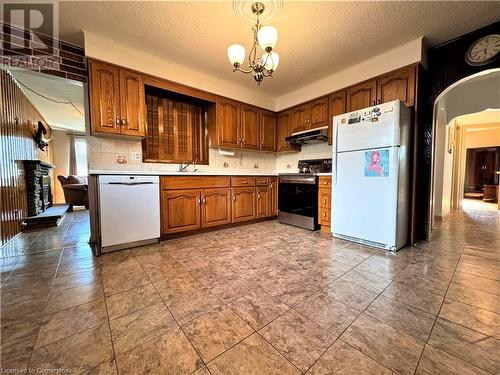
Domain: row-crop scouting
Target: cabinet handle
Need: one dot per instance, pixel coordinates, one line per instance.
(204, 200)
(324, 200)
(118, 121)
(379, 101)
(124, 121)
(258, 196)
(324, 213)
(373, 102)
(199, 200)
(234, 198)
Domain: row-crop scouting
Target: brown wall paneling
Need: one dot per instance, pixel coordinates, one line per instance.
(17, 122)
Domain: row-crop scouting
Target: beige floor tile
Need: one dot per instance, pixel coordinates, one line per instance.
(67, 322)
(105, 368)
(414, 322)
(131, 300)
(466, 344)
(326, 311)
(390, 347)
(435, 361)
(411, 295)
(67, 298)
(258, 308)
(350, 294)
(77, 353)
(342, 358)
(477, 298)
(215, 332)
(141, 326)
(123, 277)
(170, 353)
(252, 356)
(297, 338)
(86, 277)
(480, 320)
(189, 306)
(477, 282)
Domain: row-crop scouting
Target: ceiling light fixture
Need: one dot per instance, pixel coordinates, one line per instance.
(264, 37)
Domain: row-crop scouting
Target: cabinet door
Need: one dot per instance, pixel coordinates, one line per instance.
(131, 103)
(243, 205)
(397, 85)
(228, 123)
(180, 210)
(336, 106)
(361, 96)
(318, 113)
(215, 207)
(324, 216)
(263, 201)
(283, 130)
(273, 199)
(299, 118)
(267, 132)
(104, 98)
(250, 117)
(325, 198)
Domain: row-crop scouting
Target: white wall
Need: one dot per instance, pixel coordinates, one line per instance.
(107, 50)
(443, 168)
(60, 152)
(393, 59)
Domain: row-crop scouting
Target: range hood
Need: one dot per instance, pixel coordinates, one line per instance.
(318, 135)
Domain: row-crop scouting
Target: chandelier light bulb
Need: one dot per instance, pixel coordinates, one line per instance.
(236, 54)
(270, 61)
(267, 37)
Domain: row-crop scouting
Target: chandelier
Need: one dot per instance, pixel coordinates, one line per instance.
(264, 37)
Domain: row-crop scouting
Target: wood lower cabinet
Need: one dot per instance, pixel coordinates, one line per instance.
(361, 96)
(243, 204)
(263, 202)
(180, 210)
(215, 207)
(116, 100)
(325, 203)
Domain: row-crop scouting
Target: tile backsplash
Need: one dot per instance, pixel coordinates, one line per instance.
(104, 153)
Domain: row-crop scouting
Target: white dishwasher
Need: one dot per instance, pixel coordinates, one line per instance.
(129, 211)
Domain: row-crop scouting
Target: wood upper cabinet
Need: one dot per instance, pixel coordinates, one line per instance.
(116, 99)
(397, 85)
(243, 204)
(104, 98)
(318, 113)
(284, 128)
(361, 96)
(131, 103)
(250, 120)
(336, 106)
(228, 123)
(215, 207)
(180, 210)
(299, 118)
(267, 134)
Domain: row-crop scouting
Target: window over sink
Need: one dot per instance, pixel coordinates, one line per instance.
(176, 128)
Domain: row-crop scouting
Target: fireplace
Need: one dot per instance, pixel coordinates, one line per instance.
(38, 186)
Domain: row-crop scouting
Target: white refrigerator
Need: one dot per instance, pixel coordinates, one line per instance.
(370, 187)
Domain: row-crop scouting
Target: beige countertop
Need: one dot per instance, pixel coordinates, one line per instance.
(174, 173)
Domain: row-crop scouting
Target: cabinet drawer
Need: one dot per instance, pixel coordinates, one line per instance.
(324, 216)
(325, 199)
(325, 182)
(260, 181)
(193, 182)
(243, 181)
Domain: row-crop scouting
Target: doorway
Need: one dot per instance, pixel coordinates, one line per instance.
(466, 116)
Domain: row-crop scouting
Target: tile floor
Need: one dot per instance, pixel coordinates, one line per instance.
(259, 299)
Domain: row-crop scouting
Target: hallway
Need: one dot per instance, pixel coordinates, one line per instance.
(218, 303)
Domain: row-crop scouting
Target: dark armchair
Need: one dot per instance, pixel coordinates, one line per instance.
(75, 190)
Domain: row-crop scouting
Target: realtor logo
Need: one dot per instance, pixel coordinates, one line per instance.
(30, 34)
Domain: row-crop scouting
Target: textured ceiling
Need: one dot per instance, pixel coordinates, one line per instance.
(57, 115)
(315, 39)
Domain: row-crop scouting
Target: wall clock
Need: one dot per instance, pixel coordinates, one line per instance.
(483, 50)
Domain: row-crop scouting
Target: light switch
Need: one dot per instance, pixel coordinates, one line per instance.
(136, 156)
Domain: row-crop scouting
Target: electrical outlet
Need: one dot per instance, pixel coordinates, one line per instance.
(136, 156)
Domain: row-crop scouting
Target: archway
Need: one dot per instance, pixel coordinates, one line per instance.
(478, 93)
